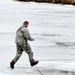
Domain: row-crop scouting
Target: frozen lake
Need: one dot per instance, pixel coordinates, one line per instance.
(52, 26)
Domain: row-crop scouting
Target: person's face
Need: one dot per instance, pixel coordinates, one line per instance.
(26, 25)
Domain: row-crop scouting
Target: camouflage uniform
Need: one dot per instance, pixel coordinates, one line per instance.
(22, 35)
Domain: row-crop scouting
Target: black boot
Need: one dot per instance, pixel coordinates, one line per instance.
(12, 64)
(34, 63)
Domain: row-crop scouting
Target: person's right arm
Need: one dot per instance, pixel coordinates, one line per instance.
(27, 34)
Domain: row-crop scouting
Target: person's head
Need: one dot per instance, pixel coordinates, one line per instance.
(26, 23)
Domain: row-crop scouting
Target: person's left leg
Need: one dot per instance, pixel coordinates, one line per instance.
(18, 55)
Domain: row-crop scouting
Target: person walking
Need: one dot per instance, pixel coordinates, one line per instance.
(22, 36)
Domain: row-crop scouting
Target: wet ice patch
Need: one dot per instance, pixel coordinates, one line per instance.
(50, 35)
(66, 44)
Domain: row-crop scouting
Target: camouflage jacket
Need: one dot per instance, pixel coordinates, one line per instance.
(22, 35)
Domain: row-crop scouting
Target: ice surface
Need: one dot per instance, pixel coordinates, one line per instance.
(52, 26)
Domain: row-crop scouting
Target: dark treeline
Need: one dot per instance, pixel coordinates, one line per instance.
(52, 1)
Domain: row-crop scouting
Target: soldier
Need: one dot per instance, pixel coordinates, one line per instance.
(22, 36)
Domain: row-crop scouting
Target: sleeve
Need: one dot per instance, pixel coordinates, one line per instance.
(27, 34)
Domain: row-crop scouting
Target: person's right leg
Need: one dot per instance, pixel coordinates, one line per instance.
(28, 50)
(18, 55)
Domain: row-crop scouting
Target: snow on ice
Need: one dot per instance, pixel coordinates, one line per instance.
(52, 26)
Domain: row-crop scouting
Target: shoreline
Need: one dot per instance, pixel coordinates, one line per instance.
(69, 2)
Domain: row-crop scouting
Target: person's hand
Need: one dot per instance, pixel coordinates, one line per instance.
(32, 39)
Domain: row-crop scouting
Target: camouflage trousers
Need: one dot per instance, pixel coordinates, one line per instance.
(23, 47)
